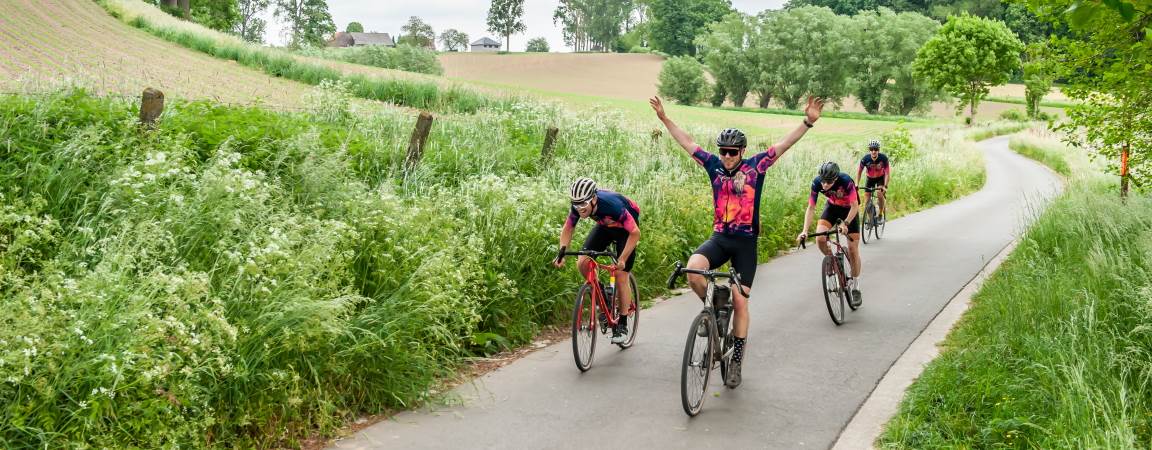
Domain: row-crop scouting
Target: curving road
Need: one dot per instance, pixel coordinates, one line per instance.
(804, 377)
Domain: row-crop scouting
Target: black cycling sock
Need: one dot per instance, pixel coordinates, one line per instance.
(738, 346)
(623, 321)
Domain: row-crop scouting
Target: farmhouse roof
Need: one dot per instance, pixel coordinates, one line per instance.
(485, 41)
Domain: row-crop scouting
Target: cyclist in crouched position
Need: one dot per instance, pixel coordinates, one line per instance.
(842, 206)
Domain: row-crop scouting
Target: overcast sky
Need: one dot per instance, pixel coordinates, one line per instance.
(469, 16)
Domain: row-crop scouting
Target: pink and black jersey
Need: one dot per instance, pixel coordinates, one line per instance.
(612, 210)
(878, 167)
(736, 193)
(842, 192)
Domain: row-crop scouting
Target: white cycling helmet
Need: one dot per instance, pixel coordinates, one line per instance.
(583, 189)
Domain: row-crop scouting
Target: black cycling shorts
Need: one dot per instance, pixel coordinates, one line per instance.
(833, 213)
(741, 250)
(599, 238)
(874, 182)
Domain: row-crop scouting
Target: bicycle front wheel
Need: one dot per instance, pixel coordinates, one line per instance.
(833, 291)
(868, 223)
(584, 328)
(633, 315)
(879, 229)
(697, 368)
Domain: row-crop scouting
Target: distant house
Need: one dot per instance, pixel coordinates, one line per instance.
(485, 45)
(344, 39)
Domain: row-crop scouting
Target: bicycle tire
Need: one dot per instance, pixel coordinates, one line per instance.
(584, 328)
(834, 294)
(880, 227)
(697, 368)
(867, 221)
(634, 317)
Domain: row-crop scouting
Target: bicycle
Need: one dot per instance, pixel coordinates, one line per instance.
(715, 320)
(834, 278)
(872, 221)
(591, 296)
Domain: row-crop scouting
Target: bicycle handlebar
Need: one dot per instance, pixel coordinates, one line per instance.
(831, 231)
(712, 275)
(590, 253)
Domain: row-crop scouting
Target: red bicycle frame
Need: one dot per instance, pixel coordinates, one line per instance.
(592, 278)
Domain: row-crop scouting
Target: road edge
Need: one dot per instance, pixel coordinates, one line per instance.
(883, 402)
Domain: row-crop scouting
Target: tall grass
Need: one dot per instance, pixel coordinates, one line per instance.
(402, 57)
(1056, 351)
(1047, 152)
(243, 278)
(423, 94)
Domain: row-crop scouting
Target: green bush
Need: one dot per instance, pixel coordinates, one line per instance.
(897, 144)
(1013, 115)
(682, 79)
(537, 45)
(402, 57)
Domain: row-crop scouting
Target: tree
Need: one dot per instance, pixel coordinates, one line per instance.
(538, 45)
(1104, 62)
(417, 33)
(505, 19)
(726, 54)
(886, 43)
(1037, 77)
(452, 40)
(802, 51)
(682, 79)
(308, 21)
(967, 56)
(354, 27)
(250, 26)
(675, 23)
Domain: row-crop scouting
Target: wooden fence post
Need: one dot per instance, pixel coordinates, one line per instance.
(656, 134)
(549, 142)
(151, 106)
(419, 138)
(1124, 171)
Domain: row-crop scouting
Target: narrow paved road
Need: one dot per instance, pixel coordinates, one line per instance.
(804, 377)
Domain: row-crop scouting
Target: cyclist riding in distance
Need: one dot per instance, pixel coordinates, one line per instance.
(736, 186)
(617, 222)
(843, 205)
(879, 172)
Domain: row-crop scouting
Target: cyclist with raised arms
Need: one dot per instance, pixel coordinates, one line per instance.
(736, 186)
(617, 222)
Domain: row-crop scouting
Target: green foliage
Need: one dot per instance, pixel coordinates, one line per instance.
(594, 25)
(537, 45)
(718, 95)
(967, 56)
(505, 18)
(731, 64)
(309, 22)
(1038, 76)
(801, 52)
(675, 23)
(1014, 115)
(1070, 370)
(898, 145)
(1105, 64)
(1042, 151)
(884, 46)
(682, 79)
(417, 33)
(452, 40)
(402, 57)
(250, 25)
(354, 27)
(1017, 17)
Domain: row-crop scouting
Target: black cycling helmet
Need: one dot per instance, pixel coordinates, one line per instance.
(873, 144)
(731, 138)
(829, 171)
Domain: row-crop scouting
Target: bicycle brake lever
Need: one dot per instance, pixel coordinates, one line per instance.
(675, 274)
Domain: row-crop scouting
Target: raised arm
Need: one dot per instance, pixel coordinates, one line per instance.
(681, 137)
(811, 115)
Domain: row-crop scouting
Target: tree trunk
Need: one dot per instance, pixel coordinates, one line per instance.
(169, 3)
(1124, 171)
(765, 99)
(185, 5)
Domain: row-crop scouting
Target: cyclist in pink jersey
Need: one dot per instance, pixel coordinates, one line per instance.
(879, 173)
(736, 186)
(843, 206)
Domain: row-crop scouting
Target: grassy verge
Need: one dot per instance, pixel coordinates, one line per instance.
(835, 114)
(1045, 152)
(400, 91)
(244, 278)
(1020, 101)
(1055, 351)
(996, 129)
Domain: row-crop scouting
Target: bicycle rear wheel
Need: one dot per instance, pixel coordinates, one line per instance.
(833, 291)
(584, 328)
(633, 316)
(697, 366)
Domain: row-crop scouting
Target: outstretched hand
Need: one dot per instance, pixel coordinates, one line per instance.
(814, 108)
(657, 106)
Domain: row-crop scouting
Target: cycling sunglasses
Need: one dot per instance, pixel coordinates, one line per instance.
(730, 151)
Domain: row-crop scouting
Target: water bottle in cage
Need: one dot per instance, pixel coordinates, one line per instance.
(721, 301)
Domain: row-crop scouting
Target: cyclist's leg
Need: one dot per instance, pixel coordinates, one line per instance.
(743, 251)
(825, 224)
(854, 246)
(624, 268)
(708, 256)
(881, 201)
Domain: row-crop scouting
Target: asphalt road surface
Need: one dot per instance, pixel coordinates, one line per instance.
(804, 377)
